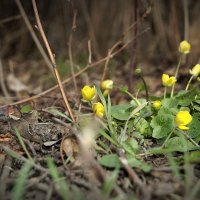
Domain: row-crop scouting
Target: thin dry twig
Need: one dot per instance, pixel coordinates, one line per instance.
(9, 19)
(52, 61)
(33, 35)
(133, 52)
(2, 81)
(109, 56)
(90, 52)
(70, 50)
(90, 28)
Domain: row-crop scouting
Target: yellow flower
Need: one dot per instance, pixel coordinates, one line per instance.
(88, 93)
(156, 104)
(183, 118)
(98, 109)
(105, 92)
(107, 85)
(184, 47)
(168, 81)
(195, 71)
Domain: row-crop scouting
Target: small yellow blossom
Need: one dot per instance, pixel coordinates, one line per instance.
(88, 93)
(195, 71)
(183, 118)
(105, 93)
(168, 81)
(98, 109)
(156, 104)
(107, 85)
(184, 47)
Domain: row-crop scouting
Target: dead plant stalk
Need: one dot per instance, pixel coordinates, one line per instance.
(70, 51)
(40, 28)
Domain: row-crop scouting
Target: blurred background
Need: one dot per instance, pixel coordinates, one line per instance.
(159, 26)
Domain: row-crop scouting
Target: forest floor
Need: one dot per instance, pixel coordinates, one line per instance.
(44, 156)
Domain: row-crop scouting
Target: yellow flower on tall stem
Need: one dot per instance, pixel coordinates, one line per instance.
(195, 71)
(167, 82)
(184, 48)
(183, 118)
(88, 93)
(106, 86)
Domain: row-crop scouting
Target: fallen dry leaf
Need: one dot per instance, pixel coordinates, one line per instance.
(15, 84)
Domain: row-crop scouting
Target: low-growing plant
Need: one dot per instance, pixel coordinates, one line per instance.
(155, 124)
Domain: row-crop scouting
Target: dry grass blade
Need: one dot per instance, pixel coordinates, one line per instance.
(52, 60)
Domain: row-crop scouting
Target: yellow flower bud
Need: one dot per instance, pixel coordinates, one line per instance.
(98, 109)
(105, 93)
(107, 85)
(184, 47)
(156, 104)
(168, 81)
(88, 93)
(183, 118)
(195, 71)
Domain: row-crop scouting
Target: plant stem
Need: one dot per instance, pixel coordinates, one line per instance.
(168, 137)
(176, 73)
(135, 99)
(189, 138)
(188, 84)
(165, 92)
(145, 87)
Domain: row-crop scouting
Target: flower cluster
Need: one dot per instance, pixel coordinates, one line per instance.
(89, 94)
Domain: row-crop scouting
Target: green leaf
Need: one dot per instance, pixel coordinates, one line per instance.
(193, 157)
(124, 89)
(130, 145)
(162, 125)
(121, 111)
(140, 164)
(56, 112)
(186, 97)
(110, 182)
(61, 185)
(169, 103)
(111, 161)
(179, 144)
(142, 126)
(19, 187)
(26, 109)
(194, 126)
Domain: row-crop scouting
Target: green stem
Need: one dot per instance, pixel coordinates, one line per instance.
(168, 137)
(135, 99)
(165, 92)
(176, 74)
(145, 87)
(188, 84)
(189, 138)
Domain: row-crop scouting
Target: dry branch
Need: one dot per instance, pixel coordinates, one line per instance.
(52, 60)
